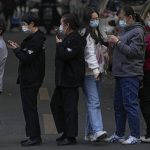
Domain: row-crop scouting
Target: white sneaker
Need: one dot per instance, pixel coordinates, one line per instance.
(98, 136)
(131, 140)
(145, 139)
(88, 137)
(114, 138)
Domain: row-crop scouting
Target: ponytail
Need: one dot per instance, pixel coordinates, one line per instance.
(139, 19)
(129, 11)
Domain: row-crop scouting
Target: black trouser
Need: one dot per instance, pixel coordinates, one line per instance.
(64, 107)
(29, 104)
(145, 100)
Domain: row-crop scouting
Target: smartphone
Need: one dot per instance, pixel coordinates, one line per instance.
(59, 36)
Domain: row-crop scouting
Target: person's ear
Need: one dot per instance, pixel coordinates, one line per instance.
(131, 17)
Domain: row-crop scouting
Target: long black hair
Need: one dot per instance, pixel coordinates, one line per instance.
(87, 17)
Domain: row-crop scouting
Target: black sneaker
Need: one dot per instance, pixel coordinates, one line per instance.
(24, 141)
(61, 137)
(67, 141)
(31, 142)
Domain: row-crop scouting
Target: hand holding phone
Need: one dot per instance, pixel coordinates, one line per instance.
(58, 40)
(8, 43)
(59, 34)
(12, 44)
(113, 39)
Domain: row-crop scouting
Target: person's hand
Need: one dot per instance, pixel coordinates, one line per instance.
(106, 57)
(12, 44)
(113, 39)
(58, 40)
(97, 76)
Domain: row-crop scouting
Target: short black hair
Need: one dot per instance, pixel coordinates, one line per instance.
(2, 26)
(31, 17)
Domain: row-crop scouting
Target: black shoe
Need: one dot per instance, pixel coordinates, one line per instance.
(61, 138)
(32, 142)
(23, 141)
(67, 141)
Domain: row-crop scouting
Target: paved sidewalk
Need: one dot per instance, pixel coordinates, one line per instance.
(12, 120)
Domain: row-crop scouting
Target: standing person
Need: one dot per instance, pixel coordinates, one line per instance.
(50, 15)
(31, 55)
(95, 53)
(9, 7)
(69, 76)
(145, 94)
(3, 53)
(127, 68)
(22, 6)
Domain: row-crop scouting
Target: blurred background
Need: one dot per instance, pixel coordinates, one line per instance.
(50, 11)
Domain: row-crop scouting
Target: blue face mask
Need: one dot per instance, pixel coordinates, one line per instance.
(122, 24)
(94, 23)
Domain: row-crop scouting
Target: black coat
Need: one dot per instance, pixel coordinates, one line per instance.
(31, 57)
(69, 61)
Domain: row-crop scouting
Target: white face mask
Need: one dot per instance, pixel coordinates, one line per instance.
(25, 29)
(147, 23)
(122, 23)
(61, 29)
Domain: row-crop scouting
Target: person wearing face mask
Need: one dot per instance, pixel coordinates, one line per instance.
(31, 72)
(144, 91)
(127, 68)
(69, 76)
(120, 24)
(147, 22)
(95, 56)
(3, 53)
